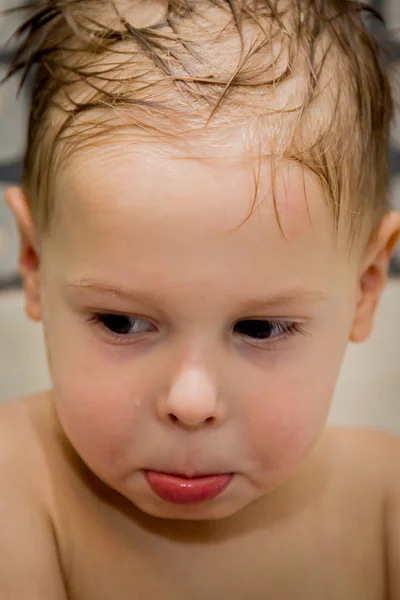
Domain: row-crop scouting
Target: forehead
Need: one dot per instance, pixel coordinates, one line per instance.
(122, 209)
(157, 181)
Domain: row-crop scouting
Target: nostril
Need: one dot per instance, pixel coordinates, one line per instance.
(175, 419)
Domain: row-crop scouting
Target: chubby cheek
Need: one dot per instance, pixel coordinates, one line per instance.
(99, 417)
(100, 405)
(285, 418)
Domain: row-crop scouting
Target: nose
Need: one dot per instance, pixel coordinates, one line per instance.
(192, 399)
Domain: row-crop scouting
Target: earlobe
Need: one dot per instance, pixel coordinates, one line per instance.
(28, 254)
(373, 275)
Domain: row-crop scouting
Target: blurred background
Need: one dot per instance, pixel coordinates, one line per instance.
(368, 392)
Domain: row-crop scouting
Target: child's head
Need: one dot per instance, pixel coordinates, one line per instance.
(205, 226)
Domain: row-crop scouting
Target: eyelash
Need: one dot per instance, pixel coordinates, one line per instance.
(282, 329)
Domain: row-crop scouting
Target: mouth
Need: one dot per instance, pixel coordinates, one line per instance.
(179, 489)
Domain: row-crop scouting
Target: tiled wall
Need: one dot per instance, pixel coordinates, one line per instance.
(392, 14)
(13, 118)
(13, 122)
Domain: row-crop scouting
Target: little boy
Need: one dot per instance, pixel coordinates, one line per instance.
(204, 227)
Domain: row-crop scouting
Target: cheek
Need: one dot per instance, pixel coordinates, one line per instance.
(98, 401)
(288, 425)
(287, 413)
(99, 416)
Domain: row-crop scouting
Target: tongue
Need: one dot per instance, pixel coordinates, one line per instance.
(182, 490)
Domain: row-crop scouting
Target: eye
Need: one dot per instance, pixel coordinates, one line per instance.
(122, 325)
(262, 330)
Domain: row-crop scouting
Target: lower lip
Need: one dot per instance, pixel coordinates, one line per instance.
(182, 490)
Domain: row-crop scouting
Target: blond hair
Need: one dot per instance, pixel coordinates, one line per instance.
(303, 79)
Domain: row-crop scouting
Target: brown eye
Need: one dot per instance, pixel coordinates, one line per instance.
(262, 330)
(257, 329)
(124, 325)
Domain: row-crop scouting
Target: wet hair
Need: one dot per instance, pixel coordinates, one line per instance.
(302, 80)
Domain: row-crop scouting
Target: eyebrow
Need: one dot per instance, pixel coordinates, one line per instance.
(294, 296)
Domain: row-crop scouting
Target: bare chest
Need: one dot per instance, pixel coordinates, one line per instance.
(334, 560)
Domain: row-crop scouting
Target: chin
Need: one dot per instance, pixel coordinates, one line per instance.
(211, 511)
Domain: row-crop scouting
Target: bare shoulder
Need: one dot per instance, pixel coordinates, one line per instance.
(365, 458)
(369, 449)
(381, 452)
(21, 451)
(29, 567)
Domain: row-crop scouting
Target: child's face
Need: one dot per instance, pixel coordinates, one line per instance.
(240, 332)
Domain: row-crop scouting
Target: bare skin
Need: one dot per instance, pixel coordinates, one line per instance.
(190, 334)
(183, 340)
(320, 535)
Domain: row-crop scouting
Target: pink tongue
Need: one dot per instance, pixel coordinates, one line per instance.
(180, 490)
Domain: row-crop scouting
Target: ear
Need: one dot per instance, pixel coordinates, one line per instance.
(28, 255)
(374, 274)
